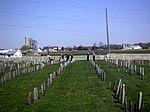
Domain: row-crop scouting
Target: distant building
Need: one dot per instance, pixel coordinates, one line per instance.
(54, 49)
(39, 50)
(27, 41)
(3, 51)
(128, 46)
(30, 42)
(13, 53)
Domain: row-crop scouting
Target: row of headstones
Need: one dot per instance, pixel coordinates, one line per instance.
(119, 91)
(12, 66)
(11, 75)
(140, 61)
(128, 66)
(38, 93)
(101, 73)
(21, 64)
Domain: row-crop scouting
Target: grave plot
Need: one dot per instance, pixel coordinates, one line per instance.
(132, 77)
(77, 89)
(11, 69)
(14, 94)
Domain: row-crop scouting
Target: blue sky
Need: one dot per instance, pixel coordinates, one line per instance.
(73, 22)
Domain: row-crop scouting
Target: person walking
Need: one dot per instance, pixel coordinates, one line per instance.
(71, 57)
(67, 57)
(93, 56)
(88, 56)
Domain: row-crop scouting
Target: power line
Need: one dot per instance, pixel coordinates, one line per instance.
(142, 22)
(86, 7)
(76, 19)
(68, 30)
(62, 5)
(130, 33)
(49, 17)
(131, 10)
(24, 27)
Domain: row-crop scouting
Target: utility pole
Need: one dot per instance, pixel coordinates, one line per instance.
(107, 31)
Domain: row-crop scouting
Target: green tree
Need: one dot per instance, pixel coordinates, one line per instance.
(24, 48)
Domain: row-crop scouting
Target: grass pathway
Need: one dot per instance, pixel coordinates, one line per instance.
(77, 89)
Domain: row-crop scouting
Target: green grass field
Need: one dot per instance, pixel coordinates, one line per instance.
(143, 51)
(77, 89)
(132, 81)
(13, 94)
(99, 52)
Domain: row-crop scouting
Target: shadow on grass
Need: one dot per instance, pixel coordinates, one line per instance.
(115, 99)
(118, 102)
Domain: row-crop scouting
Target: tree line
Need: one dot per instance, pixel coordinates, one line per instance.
(99, 46)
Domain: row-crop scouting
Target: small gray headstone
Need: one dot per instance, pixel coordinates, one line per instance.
(42, 89)
(123, 93)
(35, 94)
(119, 84)
(30, 98)
(139, 102)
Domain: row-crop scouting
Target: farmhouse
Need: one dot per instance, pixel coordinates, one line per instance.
(39, 50)
(14, 53)
(54, 49)
(3, 52)
(127, 46)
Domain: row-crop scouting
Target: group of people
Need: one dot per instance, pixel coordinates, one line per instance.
(69, 57)
(93, 55)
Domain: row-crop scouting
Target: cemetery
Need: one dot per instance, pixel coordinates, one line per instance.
(38, 84)
(76, 56)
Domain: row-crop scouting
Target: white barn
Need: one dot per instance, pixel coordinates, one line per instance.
(135, 47)
(14, 53)
(127, 46)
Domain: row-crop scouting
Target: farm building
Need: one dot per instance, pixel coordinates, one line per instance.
(3, 52)
(127, 46)
(14, 53)
(135, 47)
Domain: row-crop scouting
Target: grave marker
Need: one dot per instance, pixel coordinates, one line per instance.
(123, 93)
(42, 89)
(139, 102)
(35, 95)
(30, 98)
(119, 84)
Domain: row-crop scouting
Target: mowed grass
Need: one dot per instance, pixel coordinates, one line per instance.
(132, 82)
(100, 52)
(131, 51)
(14, 94)
(77, 89)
